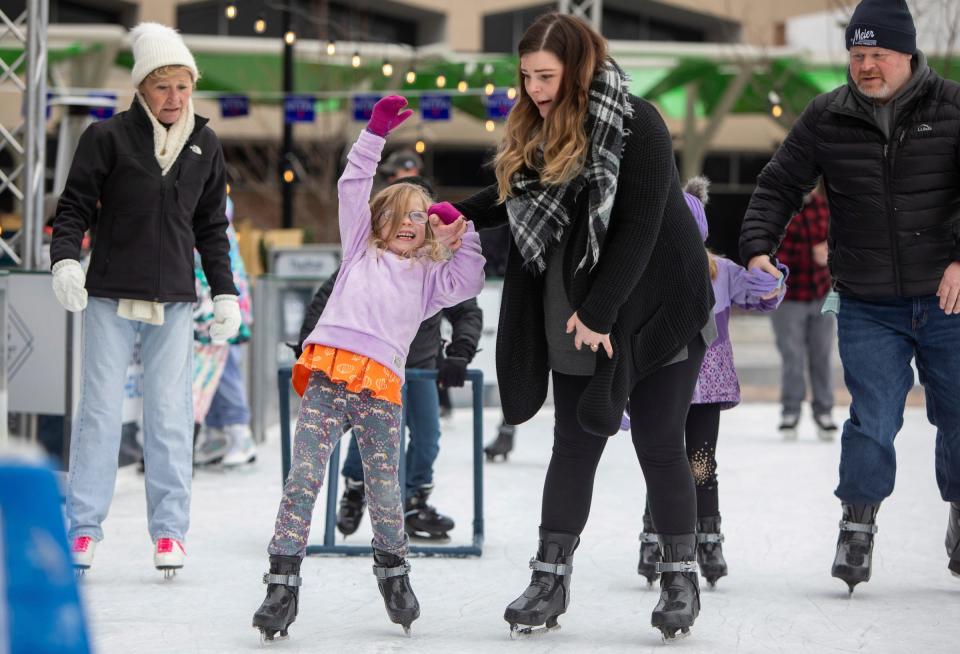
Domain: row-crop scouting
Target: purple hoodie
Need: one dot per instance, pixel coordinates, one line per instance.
(718, 382)
(380, 298)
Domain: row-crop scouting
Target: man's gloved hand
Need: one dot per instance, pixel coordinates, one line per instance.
(452, 372)
(226, 318)
(387, 116)
(68, 282)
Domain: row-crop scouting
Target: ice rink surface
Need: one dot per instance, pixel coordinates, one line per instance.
(779, 516)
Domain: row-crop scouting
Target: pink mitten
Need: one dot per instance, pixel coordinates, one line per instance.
(445, 211)
(387, 116)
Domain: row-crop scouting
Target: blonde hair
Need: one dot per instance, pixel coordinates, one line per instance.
(164, 72)
(712, 262)
(397, 199)
(562, 134)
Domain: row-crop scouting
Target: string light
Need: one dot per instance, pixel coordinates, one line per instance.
(260, 25)
(441, 81)
(411, 76)
(511, 93)
(489, 126)
(387, 69)
(355, 60)
(230, 11)
(420, 146)
(290, 37)
(462, 85)
(331, 47)
(288, 176)
(776, 111)
(488, 88)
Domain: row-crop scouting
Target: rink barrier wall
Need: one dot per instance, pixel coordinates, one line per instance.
(330, 546)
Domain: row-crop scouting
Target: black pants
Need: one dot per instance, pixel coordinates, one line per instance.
(658, 413)
(703, 424)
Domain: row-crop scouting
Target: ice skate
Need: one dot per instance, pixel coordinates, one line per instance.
(168, 556)
(502, 445)
(241, 451)
(649, 551)
(788, 426)
(82, 549)
(279, 608)
(710, 549)
(393, 580)
(953, 539)
(826, 427)
(421, 520)
(352, 504)
(854, 556)
(548, 595)
(679, 603)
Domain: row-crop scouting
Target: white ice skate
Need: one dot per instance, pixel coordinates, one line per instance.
(211, 447)
(168, 556)
(788, 426)
(826, 428)
(82, 550)
(241, 449)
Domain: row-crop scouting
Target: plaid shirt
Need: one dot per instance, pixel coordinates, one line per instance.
(808, 281)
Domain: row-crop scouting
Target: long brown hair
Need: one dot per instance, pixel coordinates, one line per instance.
(563, 132)
(396, 200)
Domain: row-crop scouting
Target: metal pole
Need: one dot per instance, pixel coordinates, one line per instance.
(287, 216)
(36, 127)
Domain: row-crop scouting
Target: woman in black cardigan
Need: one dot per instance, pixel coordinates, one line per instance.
(607, 287)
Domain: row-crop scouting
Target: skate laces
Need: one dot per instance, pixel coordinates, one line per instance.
(81, 543)
(165, 545)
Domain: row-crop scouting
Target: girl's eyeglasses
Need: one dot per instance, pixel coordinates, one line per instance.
(417, 217)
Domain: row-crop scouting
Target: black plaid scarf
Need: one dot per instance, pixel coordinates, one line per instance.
(539, 213)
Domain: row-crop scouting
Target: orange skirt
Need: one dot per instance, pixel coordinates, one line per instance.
(358, 372)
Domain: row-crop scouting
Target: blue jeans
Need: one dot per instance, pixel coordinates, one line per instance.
(423, 419)
(229, 405)
(878, 338)
(167, 352)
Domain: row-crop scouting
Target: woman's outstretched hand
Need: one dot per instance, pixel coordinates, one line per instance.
(583, 335)
(387, 116)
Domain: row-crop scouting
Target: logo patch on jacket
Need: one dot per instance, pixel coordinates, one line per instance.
(923, 127)
(196, 149)
(863, 37)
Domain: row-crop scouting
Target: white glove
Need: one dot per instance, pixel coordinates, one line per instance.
(226, 318)
(68, 282)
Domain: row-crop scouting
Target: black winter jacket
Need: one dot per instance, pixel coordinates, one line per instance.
(894, 206)
(466, 318)
(650, 289)
(148, 224)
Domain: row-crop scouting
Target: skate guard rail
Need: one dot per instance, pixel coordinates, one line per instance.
(330, 546)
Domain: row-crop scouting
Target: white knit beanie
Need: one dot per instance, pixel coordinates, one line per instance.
(156, 45)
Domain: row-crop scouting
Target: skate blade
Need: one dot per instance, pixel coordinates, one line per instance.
(169, 573)
(788, 434)
(271, 635)
(428, 537)
(80, 572)
(673, 634)
(406, 631)
(519, 633)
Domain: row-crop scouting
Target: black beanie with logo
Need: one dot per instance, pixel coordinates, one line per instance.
(883, 24)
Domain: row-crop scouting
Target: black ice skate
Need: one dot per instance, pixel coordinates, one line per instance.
(679, 603)
(649, 551)
(421, 520)
(953, 539)
(279, 608)
(502, 445)
(393, 580)
(352, 505)
(855, 544)
(710, 549)
(788, 426)
(548, 595)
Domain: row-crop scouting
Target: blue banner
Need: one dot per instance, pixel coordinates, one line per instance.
(435, 107)
(298, 108)
(498, 105)
(106, 111)
(234, 106)
(363, 106)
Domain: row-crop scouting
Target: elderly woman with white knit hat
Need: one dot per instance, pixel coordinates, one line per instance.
(150, 183)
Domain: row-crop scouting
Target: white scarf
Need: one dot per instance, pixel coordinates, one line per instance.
(169, 141)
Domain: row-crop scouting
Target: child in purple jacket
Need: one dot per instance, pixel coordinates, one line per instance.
(717, 389)
(394, 274)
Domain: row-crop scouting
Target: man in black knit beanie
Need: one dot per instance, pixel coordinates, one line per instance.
(885, 145)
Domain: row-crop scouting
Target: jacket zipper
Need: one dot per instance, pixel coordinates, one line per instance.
(163, 212)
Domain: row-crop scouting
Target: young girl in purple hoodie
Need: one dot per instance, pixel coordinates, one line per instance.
(394, 274)
(717, 389)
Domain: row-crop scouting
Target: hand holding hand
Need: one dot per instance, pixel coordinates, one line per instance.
(445, 211)
(226, 318)
(452, 372)
(583, 335)
(68, 284)
(449, 235)
(387, 116)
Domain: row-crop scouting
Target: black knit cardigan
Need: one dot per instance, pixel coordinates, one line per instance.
(650, 289)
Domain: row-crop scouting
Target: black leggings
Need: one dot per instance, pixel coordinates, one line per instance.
(703, 424)
(658, 408)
